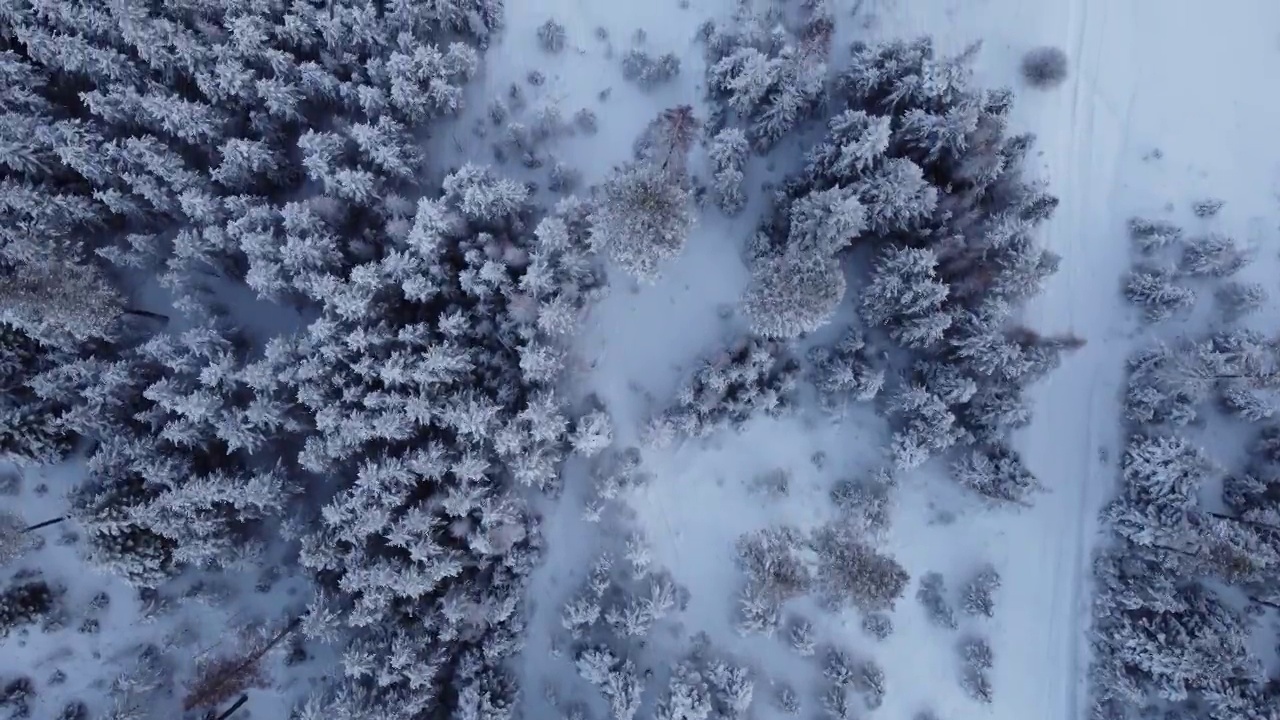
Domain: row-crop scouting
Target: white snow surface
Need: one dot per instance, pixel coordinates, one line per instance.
(1179, 76)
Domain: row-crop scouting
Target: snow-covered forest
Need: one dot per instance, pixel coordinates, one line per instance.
(684, 360)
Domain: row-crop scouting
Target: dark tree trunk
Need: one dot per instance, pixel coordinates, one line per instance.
(1264, 602)
(1242, 521)
(146, 314)
(44, 524)
(243, 699)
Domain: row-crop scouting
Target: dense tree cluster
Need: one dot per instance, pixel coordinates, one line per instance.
(275, 145)
(764, 77)
(917, 166)
(1179, 592)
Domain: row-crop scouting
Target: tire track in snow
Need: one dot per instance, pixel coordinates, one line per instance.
(1074, 397)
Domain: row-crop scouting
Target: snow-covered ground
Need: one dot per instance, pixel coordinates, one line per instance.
(1180, 77)
(1167, 102)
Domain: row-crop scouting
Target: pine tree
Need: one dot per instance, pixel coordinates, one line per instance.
(997, 472)
(1158, 294)
(905, 295)
(642, 217)
(793, 294)
(728, 155)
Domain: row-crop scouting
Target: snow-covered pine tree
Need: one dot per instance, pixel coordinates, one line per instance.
(850, 571)
(905, 295)
(997, 472)
(642, 214)
(793, 294)
(845, 372)
(727, 152)
(751, 375)
(771, 81)
(1158, 294)
(1213, 255)
(29, 427)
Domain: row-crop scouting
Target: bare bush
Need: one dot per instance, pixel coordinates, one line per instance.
(551, 36)
(933, 595)
(1045, 67)
(979, 595)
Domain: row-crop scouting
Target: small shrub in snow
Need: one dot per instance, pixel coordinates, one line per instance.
(616, 679)
(26, 602)
(580, 613)
(563, 178)
(759, 614)
(877, 625)
(586, 121)
(926, 715)
(629, 620)
(74, 710)
(849, 570)
(836, 704)
(979, 594)
(976, 653)
(600, 578)
(639, 556)
(615, 471)
(1213, 255)
(866, 504)
(1156, 292)
(800, 636)
(1206, 208)
(728, 154)
(648, 71)
(932, 594)
(776, 482)
(551, 36)
(16, 698)
(839, 668)
(733, 688)
(1045, 67)
(870, 682)
(592, 433)
(977, 685)
(1152, 235)
(787, 700)
(536, 78)
(688, 697)
(1236, 298)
